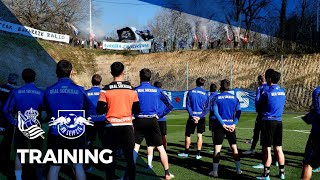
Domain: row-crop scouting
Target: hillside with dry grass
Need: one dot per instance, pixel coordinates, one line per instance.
(301, 73)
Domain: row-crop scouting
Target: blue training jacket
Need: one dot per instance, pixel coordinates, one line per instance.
(5, 90)
(93, 95)
(211, 101)
(316, 106)
(272, 103)
(150, 97)
(259, 91)
(162, 107)
(197, 102)
(226, 108)
(64, 95)
(22, 99)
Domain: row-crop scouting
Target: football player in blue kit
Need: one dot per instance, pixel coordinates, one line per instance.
(226, 108)
(272, 103)
(197, 107)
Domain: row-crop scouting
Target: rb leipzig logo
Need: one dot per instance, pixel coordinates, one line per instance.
(71, 124)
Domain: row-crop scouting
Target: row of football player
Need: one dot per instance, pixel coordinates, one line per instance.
(197, 105)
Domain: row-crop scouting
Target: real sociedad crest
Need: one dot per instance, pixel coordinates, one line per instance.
(71, 124)
(29, 125)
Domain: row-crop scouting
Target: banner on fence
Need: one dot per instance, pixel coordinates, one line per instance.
(246, 98)
(127, 46)
(28, 31)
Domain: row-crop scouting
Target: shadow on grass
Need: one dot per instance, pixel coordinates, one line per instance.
(202, 167)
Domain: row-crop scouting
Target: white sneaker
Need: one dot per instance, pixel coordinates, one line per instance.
(282, 176)
(249, 152)
(239, 172)
(183, 155)
(171, 176)
(213, 173)
(263, 178)
(316, 170)
(259, 166)
(198, 157)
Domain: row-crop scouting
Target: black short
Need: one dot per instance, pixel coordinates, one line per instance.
(147, 128)
(259, 123)
(191, 127)
(312, 151)
(2, 125)
(56, 142)
(218, 136)
(118, 137)
(22, 142)
(211, 124)
(271, 133)
(92, 131)
(163, 127)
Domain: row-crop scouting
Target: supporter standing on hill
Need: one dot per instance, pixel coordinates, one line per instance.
(146, 122)
(226, 108)
(197, 107)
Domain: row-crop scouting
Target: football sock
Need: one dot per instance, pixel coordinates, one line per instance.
(150, 157)
(266, 171)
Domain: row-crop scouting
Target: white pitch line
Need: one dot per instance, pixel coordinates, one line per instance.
(303, 131)
(298, 117)
(289, 130)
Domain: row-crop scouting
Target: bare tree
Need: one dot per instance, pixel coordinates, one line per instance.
(252, 13)
(50, 15)
(170, 26)
(283, 13)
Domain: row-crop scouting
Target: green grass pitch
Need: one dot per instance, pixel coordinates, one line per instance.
(295, 137)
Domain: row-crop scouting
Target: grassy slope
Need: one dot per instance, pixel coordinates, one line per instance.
(293, 145)
(18, 52)
(301, 72)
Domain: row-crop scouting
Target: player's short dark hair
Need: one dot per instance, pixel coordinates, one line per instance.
(158, 84)
(213, 87)
(268, 72)
(261, 78)
(96, 79)
(28, 75)
(145, 74)
(275, 77)
(225, 85)
(64, 68)
(200, 81)
(13, 78)
(117, 69)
